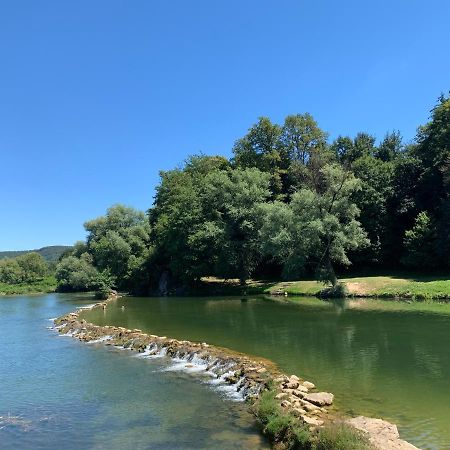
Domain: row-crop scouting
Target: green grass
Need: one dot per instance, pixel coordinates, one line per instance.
(283, 429)
(46, 284)
(339, 436)
(414, 287)
(287, 432)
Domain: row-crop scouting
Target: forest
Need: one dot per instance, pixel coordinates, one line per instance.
(289, 203)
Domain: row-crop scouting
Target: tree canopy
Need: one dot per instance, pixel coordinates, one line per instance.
(289, 201)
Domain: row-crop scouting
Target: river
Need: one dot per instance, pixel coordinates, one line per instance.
(58, 393)
(380, 358)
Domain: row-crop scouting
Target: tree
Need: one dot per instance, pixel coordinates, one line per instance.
(301, 136)
(390, 147)
(33, 266)
(433, 152)
(10, 271)
(263, 149)
(420, 242)
(372, 200)
(318, 226)
(76, 274)
(232, 200)
(176, 214)
(117, 241)
(348, 150)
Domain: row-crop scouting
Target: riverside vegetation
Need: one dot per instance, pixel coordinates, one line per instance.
(27, 273)
(288, 205)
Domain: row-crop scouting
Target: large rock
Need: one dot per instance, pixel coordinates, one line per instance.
(320, 398)
(308, 406)
(292, 385)
(281, 396)
(383, 435)
(298, 393)
(312, 421)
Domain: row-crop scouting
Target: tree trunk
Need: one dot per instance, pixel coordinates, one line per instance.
(331, 273)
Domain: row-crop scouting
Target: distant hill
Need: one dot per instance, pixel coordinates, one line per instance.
(50, 253)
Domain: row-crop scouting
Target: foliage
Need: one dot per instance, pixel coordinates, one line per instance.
(287, 202)
(118, 243)
(26, 268)
(76, 274)
(281, 427)
(232, 199)
(318, 226)
(46, 284)
(339, 436)
(289, 432)
(419, 243)
(50, 254)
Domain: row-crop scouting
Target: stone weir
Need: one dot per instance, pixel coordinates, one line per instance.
(247, 376)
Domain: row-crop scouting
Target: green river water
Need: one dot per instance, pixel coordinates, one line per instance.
(379, 358)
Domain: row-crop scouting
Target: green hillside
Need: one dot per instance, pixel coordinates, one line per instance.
(50, 253)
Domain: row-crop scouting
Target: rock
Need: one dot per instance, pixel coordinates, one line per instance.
(308, 406)
(285, 404)
(309, 385)
(302, 388)
(320, 398)
(294, 378)
(281, 379)
(312, 421)
(298, 411)
(262, 370)
(383, 435)
(231, 379)
(288, 391)
(298, 393)
(281, 396)
(292, 385)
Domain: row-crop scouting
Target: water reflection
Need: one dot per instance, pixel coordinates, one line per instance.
(383, 359)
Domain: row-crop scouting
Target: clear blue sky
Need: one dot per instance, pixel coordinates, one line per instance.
(97, 96)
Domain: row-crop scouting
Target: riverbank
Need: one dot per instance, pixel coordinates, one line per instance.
(389, 286)
(298, 406)
(46, 285)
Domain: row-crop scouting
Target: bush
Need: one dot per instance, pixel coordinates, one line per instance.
(339, 436)
(280, 427)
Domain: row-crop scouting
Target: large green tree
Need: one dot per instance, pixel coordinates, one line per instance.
(262, 147)
(232, 201)
(318, 227)
(119, 243)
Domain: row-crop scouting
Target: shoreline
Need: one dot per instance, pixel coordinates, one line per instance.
(247, 376)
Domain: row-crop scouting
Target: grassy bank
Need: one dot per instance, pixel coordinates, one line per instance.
(47, 284)
(389, 286)
(286, 431)
(417, 287)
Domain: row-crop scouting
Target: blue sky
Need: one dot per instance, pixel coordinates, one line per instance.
(97, 96)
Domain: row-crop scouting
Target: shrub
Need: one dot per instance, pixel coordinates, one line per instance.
(281, 428)
(339, 436)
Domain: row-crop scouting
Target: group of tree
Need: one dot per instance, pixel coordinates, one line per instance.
(26, 268)
(115, 254)
(288, 203)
